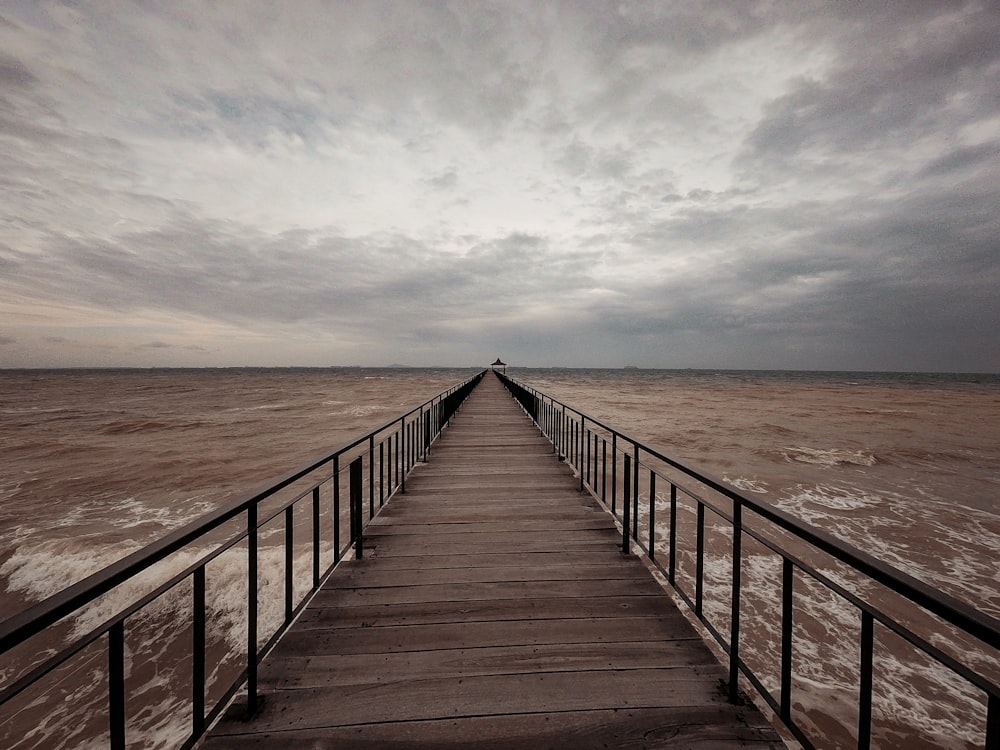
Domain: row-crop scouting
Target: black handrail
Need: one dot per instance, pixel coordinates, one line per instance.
(401, 442)
(576, 436)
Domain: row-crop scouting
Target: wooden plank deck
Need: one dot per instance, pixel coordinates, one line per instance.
(495, 609)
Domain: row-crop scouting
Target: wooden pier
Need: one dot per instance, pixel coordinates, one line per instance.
(493, 609)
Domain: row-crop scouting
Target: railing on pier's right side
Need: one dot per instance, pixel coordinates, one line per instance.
(620, 471)
(372, 467)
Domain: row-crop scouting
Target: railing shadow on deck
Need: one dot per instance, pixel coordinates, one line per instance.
(635, 482)
(373, 466)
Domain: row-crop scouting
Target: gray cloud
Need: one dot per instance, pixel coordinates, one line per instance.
(698, 184)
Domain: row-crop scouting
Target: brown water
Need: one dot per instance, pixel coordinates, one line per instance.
(98, 463)
(905, 467)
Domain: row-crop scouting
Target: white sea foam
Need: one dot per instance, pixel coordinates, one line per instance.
(155, 634)
(912, 691)
(756, 486)
(803, 499)
(829, 456)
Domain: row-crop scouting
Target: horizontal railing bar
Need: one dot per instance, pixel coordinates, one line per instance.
(36, 618)
(976, 623)
(289, 503)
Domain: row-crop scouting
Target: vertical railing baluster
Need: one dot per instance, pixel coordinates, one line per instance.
(587, 460)
(381, 473)
(315, 531)
(357, 506)
(672, 566)
(402, 456)
(635, 490)
(993, 723)
(699, 565)
(116, 685)
(198, 653)
(652, 515)
(626, 502)
(580, 448)
(289, 561)
(604, 470)
(572, 441)
(336, 508)
(734, 626)
(371, 476)
(787, 583)
(865, 681)
(614, 470)
(596, 458)
(252, 609)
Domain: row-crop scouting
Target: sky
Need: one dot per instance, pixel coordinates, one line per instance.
(720, 184)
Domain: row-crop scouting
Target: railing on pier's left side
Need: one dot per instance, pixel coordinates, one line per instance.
(634, 481)
(372, 467)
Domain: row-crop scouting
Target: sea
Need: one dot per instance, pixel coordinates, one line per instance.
(905, 466)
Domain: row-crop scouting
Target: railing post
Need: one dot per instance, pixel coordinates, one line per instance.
(699, 564)
(289, 562)
(626, 504)
(116, 685)
(993, 723)
(427, 438)
(251, 609)
(381, 473)
(734, 628)
(865, 682)
(357, 512)
(315, 530)
(401, 455)
(635, 490)
(604, 470)
(614, 470)
(787, 583)
(652, 514)
(198, 653)
(583, 432)
(672, 568)
(371, 476)
(336, 508)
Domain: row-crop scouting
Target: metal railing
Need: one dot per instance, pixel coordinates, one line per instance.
(619, 470)
(378, 462)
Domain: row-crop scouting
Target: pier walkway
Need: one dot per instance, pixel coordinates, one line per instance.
(493, 609)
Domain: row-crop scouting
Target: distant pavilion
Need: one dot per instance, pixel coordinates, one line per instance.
(500, 365)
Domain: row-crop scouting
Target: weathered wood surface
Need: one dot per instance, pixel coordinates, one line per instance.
(494, 610)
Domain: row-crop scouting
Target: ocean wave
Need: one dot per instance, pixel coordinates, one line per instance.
(359, 410)
(756, 486)
(801, 499)
(829, 456)
(158, 635)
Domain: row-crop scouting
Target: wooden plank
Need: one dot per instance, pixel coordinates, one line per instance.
(377, 578)
(344, 669)
(330, 613)
(415, 544)
(380, 640)
(713, 727)
(490, 695)
(504, 590)
(435, 557)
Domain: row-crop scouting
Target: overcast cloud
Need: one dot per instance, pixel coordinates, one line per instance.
(719, 184)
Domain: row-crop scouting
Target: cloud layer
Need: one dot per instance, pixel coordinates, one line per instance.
(744, 185)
